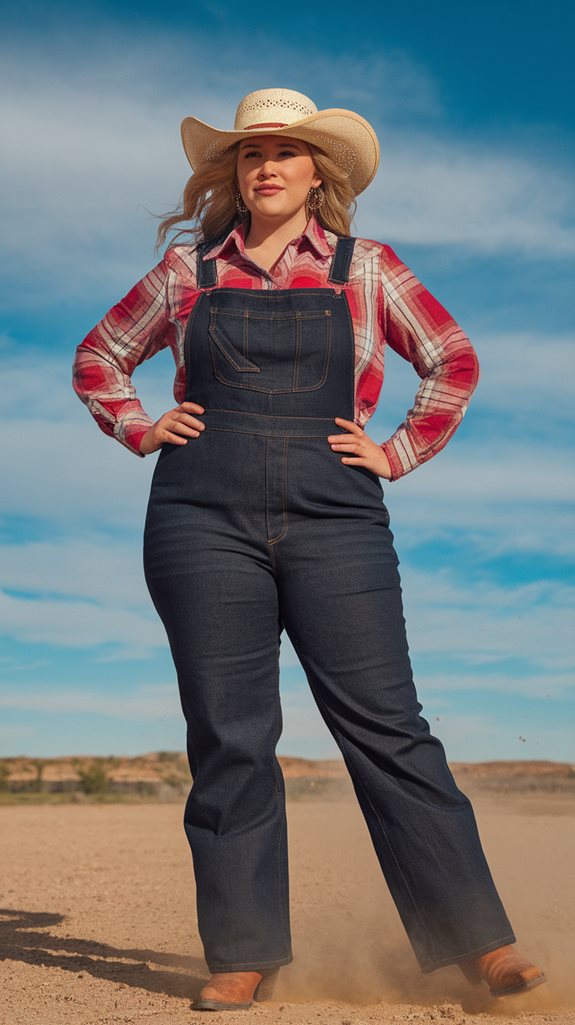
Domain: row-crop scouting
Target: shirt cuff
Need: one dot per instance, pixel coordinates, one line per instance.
(131, 435)
(397, 468)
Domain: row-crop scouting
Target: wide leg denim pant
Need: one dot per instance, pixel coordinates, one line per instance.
(256, 527)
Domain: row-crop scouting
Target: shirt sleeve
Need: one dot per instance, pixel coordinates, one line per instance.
(420, 329)
(130, 332)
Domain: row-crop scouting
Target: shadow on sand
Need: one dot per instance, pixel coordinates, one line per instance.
(22, 940)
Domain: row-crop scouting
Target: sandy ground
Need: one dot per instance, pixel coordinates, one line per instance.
(97, 920)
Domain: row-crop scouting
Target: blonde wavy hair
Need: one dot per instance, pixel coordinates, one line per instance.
(209, 199)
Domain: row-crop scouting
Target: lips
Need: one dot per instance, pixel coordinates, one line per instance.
(269, 188)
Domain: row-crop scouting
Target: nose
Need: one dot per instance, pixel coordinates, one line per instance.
(267, 170)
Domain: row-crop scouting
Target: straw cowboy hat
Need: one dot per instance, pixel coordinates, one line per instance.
(344, 135)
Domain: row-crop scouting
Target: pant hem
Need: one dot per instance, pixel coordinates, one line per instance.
(477, 952)
(247, 966)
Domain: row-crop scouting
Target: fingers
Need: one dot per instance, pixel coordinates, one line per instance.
(191, 406)
(347, 445)
(349, 425)
(178, 424)
(174, 439)
(186, 424)
(353, 448)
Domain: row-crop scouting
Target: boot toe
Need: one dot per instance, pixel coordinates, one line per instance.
(504, 970)
(228, 991)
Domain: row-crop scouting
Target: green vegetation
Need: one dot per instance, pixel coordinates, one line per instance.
(37, 784)
(94, 779)
(4, 777)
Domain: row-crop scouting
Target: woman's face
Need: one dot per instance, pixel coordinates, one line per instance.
(275, 174)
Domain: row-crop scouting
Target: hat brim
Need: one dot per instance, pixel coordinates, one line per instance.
(346, 136)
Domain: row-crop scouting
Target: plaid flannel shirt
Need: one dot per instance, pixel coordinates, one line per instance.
(388, 305)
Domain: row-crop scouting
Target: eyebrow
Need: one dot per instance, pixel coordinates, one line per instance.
(245, 145)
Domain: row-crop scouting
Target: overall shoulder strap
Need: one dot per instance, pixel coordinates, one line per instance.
(206, 275)
(339, 270)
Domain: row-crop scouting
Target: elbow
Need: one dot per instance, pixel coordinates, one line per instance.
(463, 366)
(474, 371)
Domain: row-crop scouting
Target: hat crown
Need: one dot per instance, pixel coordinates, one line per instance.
(272, 106)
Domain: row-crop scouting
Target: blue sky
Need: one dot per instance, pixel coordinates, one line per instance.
(475, 192)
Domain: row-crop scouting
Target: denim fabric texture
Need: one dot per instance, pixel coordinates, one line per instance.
(256, 527)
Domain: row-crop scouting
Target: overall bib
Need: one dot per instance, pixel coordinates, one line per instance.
(256, 526)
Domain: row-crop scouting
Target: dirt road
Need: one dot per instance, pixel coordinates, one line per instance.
(98, 924)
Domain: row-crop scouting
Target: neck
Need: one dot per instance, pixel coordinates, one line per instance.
(265, 231)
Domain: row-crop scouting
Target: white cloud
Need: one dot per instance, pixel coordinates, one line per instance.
(526, 374)
(74, 479)
(80, 624)
(305, 734)
(505, 497)
(488, 623)
(485, 737)
(10, 734)
(146, 701)
(438, 190)
(89, 148)
(90, 569)
(547, 683)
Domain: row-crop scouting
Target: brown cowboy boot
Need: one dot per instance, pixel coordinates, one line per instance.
(228, 991)
(504, 970)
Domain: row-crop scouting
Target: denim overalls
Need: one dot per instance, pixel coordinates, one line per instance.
(256, 526)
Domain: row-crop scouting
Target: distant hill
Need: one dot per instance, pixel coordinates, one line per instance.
(164, 775)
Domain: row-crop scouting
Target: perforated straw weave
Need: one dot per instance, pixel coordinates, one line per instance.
(346, 136)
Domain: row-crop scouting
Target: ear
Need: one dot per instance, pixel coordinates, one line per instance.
(316, 183)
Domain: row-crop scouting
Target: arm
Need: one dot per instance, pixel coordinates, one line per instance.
(132, 331)
(421, 330)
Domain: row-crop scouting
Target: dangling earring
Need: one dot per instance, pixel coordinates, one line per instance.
(241, 206)
(315, 198)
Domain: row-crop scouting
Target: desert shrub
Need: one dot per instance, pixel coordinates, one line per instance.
(173, 779)
(93, 779)
(37, 784)
(4, 776)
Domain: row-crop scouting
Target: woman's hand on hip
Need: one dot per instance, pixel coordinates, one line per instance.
(360, 449)
(175, 426)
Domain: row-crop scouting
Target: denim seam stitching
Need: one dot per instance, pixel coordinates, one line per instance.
(326, 358)
(262, 433)
(274, 416)
(221, 347)
(249, 964)
(239, 314)
(343, 741)
(283, 531)
(275, 293)
(297, 317)
(281, 874)
(400, 870)
(477, 951)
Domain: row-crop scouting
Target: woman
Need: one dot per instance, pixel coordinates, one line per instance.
(266, 511)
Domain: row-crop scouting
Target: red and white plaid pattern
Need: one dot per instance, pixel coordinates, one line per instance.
(388, 306)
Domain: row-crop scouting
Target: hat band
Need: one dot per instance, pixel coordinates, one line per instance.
(266, 124)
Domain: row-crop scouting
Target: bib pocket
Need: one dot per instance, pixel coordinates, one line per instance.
(270, 352)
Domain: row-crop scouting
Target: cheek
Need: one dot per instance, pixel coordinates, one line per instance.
(245, 172)
(307, 173)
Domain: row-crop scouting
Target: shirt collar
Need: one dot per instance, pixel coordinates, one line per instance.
(313, 235)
